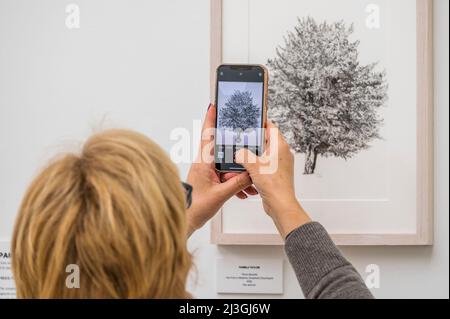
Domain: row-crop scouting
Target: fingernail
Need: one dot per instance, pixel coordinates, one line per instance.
(209, 106)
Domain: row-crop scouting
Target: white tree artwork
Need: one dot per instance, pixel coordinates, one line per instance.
(322, 98)
(240, 113)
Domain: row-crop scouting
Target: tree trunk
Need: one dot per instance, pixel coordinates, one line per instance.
(311, 160)
(238, 137)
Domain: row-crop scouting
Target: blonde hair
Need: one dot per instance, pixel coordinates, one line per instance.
(117, 211)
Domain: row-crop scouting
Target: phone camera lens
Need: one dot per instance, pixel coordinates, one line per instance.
(260, 74)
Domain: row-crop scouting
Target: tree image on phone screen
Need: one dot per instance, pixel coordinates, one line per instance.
(240, 113)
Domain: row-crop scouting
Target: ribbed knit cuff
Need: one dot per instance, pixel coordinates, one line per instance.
(312, 254)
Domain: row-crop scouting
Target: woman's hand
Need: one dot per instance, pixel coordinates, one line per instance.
(211, 189)
(273, 177)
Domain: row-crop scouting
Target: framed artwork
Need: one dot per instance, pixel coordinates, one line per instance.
(350, 87)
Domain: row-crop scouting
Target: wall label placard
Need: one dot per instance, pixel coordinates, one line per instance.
(7, 285)
(249, 276)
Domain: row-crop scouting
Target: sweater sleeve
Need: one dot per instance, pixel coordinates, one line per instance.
(321, 270)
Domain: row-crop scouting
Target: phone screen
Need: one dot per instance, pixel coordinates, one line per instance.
(240, 113)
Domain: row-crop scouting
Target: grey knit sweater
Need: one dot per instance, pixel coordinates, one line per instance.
(321, 269)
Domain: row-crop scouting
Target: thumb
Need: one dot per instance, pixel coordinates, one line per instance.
(248, 159)
(235, 184)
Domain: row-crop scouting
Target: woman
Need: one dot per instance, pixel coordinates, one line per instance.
(119, 212)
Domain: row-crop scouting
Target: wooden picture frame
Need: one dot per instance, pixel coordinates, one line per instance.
(424, 146)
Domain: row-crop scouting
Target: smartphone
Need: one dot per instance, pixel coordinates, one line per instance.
(241, 104)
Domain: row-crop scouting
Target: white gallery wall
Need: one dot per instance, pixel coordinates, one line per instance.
(145, 65)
